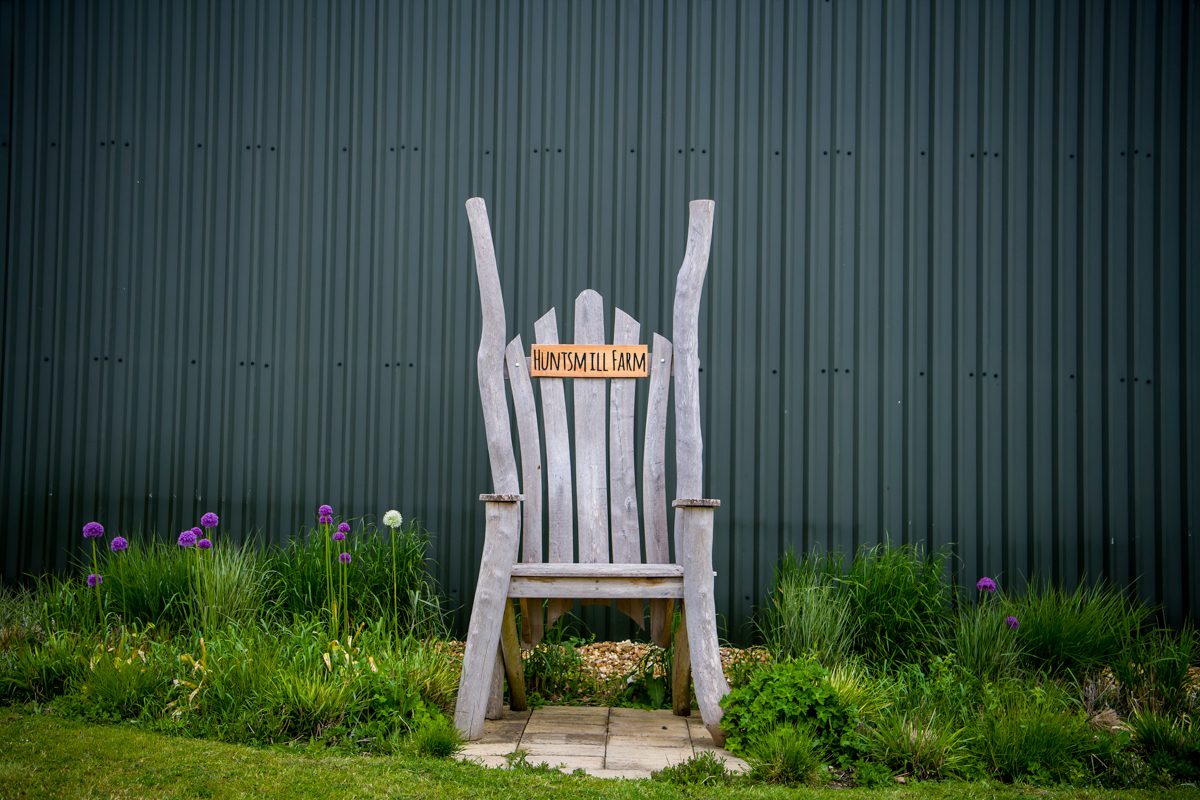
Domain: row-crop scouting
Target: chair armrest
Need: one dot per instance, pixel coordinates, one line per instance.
(502, 498)
(703, 502)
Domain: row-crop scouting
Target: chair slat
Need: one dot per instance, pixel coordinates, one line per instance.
(558, 464)
(490, 357)
(591, 477)
(654, 479)
(531, 475)
(623, 505)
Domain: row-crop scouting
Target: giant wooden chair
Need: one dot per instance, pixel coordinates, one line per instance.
(605, 496)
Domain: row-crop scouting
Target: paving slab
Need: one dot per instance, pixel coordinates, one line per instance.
(625, 743)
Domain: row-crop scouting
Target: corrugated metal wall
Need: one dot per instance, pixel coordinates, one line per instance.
(956, 250)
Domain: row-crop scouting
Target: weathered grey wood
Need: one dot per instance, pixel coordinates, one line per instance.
(681, 669)
(503, 522)
(558, 464)
(514, 668)
(693, 542)
(591, 478)
(703, 502)
(615, 588)
(623, 504)
(689, 442)
(531, 474)
(501, 498)
(654, 479)
(495, 704)
(597, 570)
(490, 357)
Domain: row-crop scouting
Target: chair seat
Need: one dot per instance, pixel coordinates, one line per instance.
(604, 581)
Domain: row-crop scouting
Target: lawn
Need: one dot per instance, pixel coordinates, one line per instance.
(47, 756)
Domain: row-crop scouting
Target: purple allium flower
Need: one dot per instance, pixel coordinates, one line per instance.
(325, 511)
(187, 539)
(94, 580)
(1012, 622)
(93, 530)
(204, 544)
(339, 536)
(344, 558)
(118, 544)
(986, 585)
(326, 519)
(210, 520)
(343, 527)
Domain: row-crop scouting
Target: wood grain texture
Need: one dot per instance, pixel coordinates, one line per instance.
(597, 570)
(689, 285)
(591, 412)
(681, 669)
(514, 667)
(495, 704)
(623, 503)
(503, 521)
(525, 409)
(693, 541)
(700, 502)
(654, 478)
(614, 588)
(490, 357)
(558, 465)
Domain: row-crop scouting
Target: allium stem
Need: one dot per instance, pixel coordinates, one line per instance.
(95, 571)
(395, 607)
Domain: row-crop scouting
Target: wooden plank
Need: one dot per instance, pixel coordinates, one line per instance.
(693, 539)
(495, 704)
(654, 478)
(703, 502)
(618, 360)
(558, 464)
(514, 669)
(681, 669)
(689, 442)
(531, 475)
(614, 588)
(591, 479)
(623, 504)
(597, 570)
(503, 521)
(490, 357)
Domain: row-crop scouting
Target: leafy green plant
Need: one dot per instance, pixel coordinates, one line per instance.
(703, 769)
(1078, 630)
(807, 613)
(437, 738)
(900, 599)
(864, 694)
(787, 754)
(230, 586)
(648, 683)
(554, 670)
(149, 583)
(789, 693)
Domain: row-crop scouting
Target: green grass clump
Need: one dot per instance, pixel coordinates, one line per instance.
(703, 769)
(1170, 745)
(900, 600)
(787, 755)
(923, 744)
(1035, 733)
(1152, 672)
(1079, 630)
(808, 614)
(983, 644)
(437, 738)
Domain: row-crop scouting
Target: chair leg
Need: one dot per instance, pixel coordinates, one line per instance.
(495, 703)
(483, 634)
(681, 669)
(693, 527)
(514, 669)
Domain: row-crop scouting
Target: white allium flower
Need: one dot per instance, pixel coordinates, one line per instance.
(392, 519)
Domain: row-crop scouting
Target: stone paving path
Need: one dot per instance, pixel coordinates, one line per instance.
(605, 742)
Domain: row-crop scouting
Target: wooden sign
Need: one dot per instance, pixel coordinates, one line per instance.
(589, 361)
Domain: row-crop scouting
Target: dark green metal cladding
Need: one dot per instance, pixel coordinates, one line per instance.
(951, 297)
